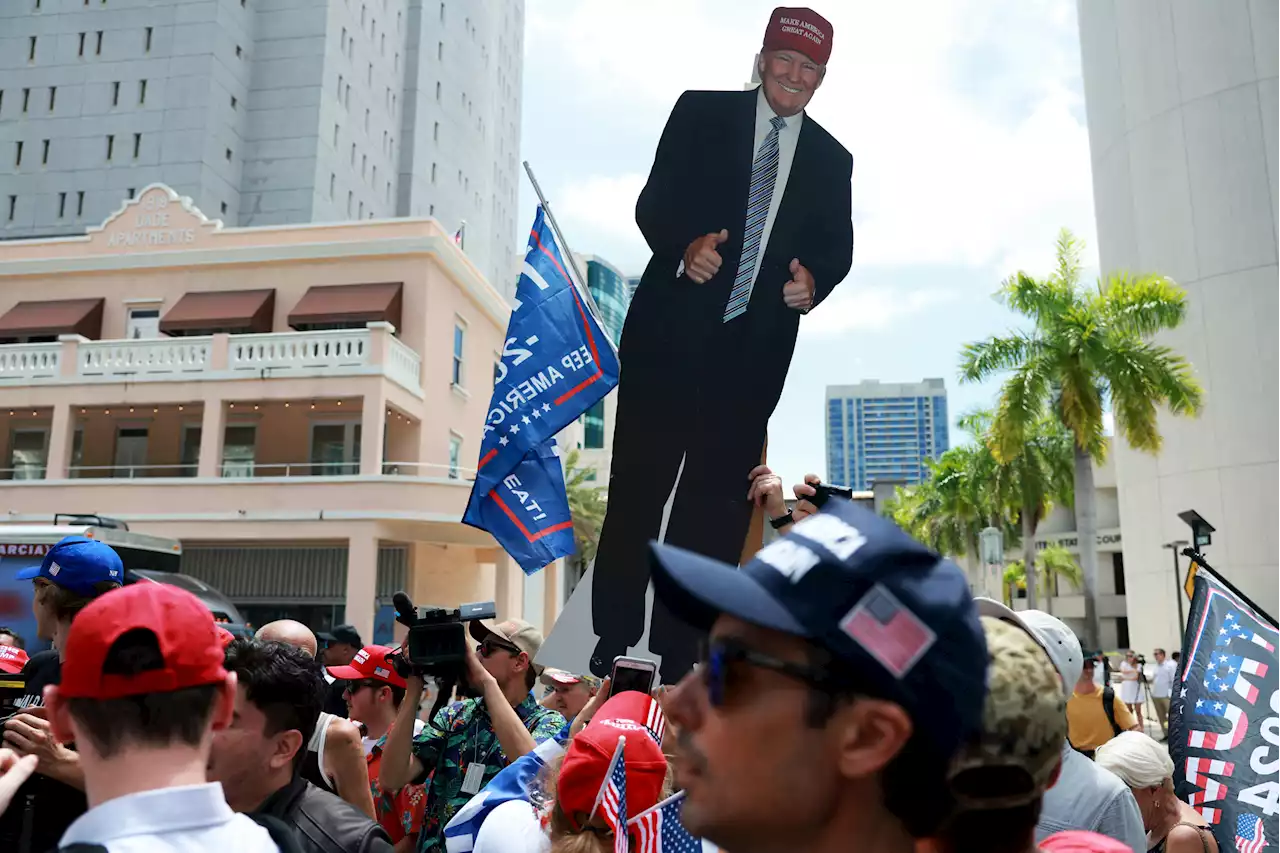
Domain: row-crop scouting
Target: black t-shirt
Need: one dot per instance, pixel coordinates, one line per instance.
(334, 701)
(42, 808)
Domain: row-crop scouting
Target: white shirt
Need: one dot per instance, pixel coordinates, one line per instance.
(787, 138)
(1090, 797)
(1162, 685)
(512, 827)
(183, 820)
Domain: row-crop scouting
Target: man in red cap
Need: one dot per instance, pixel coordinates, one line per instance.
(747, 211)
(143, 688)
(374, 693)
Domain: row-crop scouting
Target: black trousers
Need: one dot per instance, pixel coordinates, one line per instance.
(719, 444)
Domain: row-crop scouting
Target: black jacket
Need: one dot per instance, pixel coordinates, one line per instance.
(323, 823)
(699, 184)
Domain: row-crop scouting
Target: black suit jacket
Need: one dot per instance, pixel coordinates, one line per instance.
(674, 338)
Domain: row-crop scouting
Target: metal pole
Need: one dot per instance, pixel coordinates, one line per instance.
(581, 280)
(1177, 592)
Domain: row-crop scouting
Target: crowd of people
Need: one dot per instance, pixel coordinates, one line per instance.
(849, 687)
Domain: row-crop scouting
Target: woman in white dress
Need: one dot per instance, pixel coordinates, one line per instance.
(1129, 686)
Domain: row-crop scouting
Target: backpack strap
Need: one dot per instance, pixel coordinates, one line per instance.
(280, 832)
(1109, 707)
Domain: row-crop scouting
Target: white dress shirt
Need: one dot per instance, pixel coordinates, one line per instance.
(1162, 684)
(186, 819)
(787, 138)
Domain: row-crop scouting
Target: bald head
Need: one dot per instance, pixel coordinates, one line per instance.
(290, 633)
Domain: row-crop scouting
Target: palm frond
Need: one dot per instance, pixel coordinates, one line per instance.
(1068, 248)
(1080, 407)
(1142, 376)
(981, 359)
(1041, 300)
(1142, 305)
(1022, 402)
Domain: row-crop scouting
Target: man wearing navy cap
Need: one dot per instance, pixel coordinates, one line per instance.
(845, 666)
(340, 646)
(73, 573)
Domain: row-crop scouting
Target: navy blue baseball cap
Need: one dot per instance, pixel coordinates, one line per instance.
(899, 619)
(77, 564)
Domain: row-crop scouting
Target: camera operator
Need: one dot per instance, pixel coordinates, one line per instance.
(73, 573)
(466, 744)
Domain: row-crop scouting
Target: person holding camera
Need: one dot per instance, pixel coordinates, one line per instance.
(73, 573)
(1130, 686)
(468, 743)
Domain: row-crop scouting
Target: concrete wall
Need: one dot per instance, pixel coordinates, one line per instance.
(1182, 110)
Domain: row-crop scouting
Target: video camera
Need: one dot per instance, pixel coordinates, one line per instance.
(437, 641)
(824, 491)
(12, 688)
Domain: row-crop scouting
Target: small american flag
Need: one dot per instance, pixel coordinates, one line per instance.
(888, 631)
(1249, 835)
(612, 799)
(660, 831)
(655, 721)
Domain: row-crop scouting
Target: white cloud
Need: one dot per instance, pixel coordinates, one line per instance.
(869, 309)
(964, 118)
(605, 205)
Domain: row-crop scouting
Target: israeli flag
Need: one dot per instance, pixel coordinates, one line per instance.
(512, 783)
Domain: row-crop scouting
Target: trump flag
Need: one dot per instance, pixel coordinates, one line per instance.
(556, 363)
(1224, 722)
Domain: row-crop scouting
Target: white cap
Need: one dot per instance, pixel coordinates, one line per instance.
(1058, 641)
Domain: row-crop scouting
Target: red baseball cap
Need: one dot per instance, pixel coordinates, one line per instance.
(186, 635)
(370, 662)
(801, 30)
(586, 761)
(12, 660)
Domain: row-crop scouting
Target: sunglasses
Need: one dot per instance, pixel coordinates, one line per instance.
(354, 687)
(718, 657)
(489, 646)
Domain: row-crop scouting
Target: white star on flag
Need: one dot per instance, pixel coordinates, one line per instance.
(515, 428)
(1183, 694)
(525, 419)
(502, 440)
(545, 407)
(537, 413)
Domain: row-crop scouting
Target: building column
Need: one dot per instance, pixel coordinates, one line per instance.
(508, 586)
(362, 583)
(212, 428)
(61, 435)
(373, 431)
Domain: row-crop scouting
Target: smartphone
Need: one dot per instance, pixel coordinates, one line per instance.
(632, 674)
(825, 490)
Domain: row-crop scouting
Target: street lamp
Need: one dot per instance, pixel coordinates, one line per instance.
(1176, 547)
(991, 543)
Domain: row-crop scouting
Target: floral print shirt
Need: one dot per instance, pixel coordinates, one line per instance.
(460, 735)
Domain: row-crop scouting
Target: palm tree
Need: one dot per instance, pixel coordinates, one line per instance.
(1086, 348)
(1053, 561)
(1033, 481)
(586, 508)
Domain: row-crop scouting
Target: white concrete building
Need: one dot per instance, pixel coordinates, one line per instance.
(1182, 112)
(265, 112)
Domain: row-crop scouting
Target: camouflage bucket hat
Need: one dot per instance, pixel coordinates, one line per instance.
(1024, 724)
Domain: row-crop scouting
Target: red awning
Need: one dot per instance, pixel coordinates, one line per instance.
(356, 304)
(55, 317)
(241, 311)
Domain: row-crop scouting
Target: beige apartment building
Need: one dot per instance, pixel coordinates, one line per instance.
(299, 405)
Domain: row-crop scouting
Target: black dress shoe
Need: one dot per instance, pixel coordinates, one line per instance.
(602, 658)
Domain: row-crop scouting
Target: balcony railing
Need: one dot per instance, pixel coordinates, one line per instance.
(246, 470)
(346, 351)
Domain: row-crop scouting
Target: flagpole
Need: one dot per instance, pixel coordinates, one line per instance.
(1217, 575)
(580, 280)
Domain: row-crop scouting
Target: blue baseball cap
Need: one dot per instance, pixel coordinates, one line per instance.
(76, 564)
(900, 619)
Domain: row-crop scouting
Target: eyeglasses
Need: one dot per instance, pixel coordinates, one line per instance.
(718, 655)
(490, 645)
(354, 687)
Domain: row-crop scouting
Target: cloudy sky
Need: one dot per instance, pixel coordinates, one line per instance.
(966, 123)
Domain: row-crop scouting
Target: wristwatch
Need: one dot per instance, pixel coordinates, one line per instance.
(781, 521)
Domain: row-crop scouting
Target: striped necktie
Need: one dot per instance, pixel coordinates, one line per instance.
(764, 173)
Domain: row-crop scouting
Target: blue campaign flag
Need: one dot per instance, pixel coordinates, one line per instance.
(556, 363)
(528, 511)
